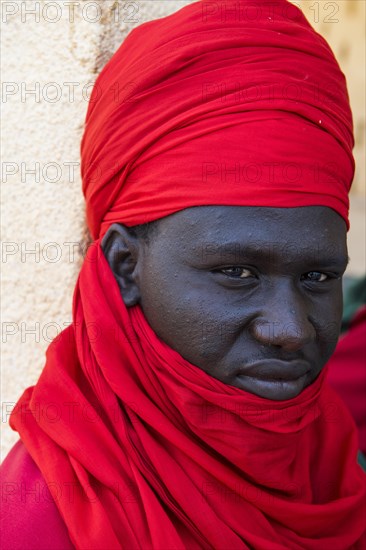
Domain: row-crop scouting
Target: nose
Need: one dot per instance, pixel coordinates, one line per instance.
(284, 320)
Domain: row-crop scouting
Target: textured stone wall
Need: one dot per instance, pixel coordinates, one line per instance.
(52, 52)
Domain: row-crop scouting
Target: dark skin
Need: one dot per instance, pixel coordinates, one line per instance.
(250, 295)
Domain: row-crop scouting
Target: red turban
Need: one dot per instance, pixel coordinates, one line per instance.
(226, 103)
(160, 454)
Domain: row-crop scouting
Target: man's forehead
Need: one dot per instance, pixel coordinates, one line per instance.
(224, 214)
(213, 232)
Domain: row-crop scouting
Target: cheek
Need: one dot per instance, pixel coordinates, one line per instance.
(188, 319)
(328, 336)
(170, 313)
(328, 324)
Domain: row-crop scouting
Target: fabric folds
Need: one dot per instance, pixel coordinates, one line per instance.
(141, 449)
(229, 103)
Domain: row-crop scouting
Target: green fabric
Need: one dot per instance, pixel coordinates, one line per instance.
(354, 298)
(361, 459)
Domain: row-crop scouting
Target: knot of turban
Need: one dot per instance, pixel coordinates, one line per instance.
(221, 103)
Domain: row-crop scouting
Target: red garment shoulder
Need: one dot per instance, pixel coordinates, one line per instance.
(30, 519)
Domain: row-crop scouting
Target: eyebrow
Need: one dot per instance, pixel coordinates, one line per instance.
(209, 252)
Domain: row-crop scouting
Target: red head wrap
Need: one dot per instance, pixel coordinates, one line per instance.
(221, 103)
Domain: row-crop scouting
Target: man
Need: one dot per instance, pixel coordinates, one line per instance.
(192, 406)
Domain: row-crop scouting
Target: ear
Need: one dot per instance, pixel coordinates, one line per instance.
(122, 251)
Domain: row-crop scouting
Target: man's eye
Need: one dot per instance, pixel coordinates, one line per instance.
(314, 276)
(237, 272)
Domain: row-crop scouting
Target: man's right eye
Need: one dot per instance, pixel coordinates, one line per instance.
(236, 272)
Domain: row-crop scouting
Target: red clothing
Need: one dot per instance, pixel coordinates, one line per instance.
(29, 517)
(347, 372)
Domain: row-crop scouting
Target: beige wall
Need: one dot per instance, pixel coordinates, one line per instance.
(56, 51)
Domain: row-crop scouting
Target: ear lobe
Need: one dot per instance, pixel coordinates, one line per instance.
(121, 250)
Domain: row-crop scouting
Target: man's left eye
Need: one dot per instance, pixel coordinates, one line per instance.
(314, 276)
(237, 272)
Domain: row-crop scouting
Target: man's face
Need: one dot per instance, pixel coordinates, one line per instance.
(253, 296)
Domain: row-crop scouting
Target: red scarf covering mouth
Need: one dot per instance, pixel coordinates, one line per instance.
(161, 455)
(139, 448)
